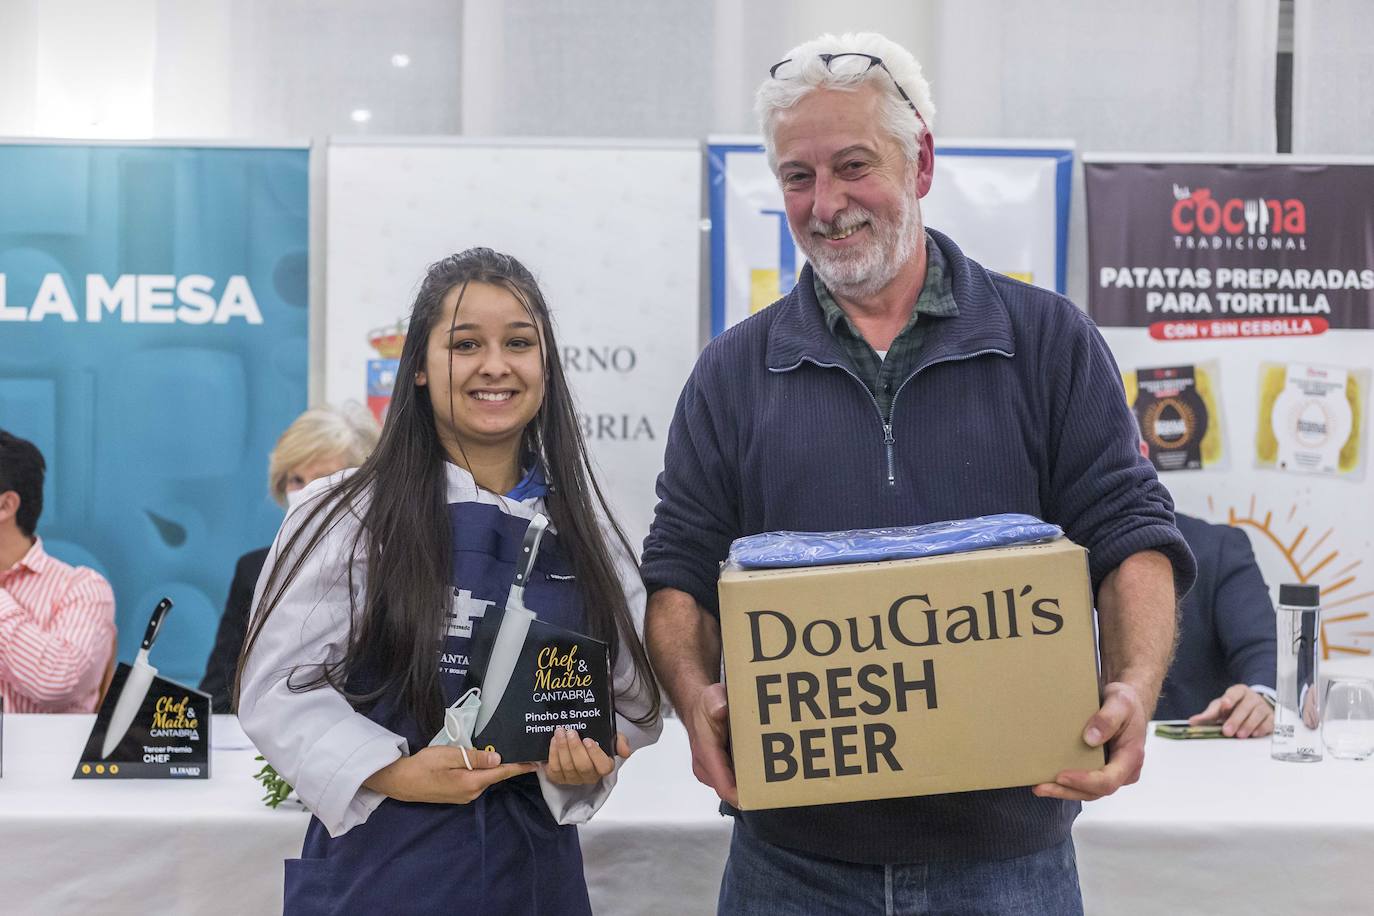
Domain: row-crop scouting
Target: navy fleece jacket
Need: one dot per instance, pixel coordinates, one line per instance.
(1015, 405)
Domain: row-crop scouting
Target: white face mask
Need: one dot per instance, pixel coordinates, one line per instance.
(293, 498)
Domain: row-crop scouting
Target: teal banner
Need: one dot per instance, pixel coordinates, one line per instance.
(153, 318)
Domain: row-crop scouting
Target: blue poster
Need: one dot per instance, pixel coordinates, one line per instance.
(153, 318)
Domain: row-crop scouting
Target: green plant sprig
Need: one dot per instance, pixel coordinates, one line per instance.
(277, 788)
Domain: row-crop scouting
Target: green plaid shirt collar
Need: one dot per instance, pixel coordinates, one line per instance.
(883, 376)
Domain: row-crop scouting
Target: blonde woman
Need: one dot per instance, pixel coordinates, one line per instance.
(318, 443)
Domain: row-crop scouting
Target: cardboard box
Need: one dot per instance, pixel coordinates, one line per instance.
(909, 677)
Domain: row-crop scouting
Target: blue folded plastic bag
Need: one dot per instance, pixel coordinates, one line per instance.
(779, 549)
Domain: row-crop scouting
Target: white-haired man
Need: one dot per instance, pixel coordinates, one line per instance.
(899, 383)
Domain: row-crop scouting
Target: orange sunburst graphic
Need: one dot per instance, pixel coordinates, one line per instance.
(1317, 562)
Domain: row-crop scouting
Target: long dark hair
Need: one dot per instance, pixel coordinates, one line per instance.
(400, 496)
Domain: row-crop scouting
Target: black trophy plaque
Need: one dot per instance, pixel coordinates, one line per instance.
(168, 736)
(561, 678)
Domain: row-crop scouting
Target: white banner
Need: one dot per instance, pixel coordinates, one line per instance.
(611, 232)
(1303, 527)
(1006, 206)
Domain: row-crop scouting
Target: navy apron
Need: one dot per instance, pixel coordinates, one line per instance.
(503, 853)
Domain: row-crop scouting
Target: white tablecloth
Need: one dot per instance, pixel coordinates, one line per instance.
(210, 846)
(135, 846)
(1214, 827)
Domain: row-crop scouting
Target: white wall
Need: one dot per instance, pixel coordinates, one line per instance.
(1112, 75)
(242, 69)
(1333, 76)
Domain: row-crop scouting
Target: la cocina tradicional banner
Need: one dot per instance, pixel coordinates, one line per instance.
(1217, 250)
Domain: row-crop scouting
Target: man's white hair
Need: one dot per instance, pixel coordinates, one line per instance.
(808, 72)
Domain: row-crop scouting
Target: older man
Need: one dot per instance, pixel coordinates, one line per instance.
(899, 383)
(57, 624)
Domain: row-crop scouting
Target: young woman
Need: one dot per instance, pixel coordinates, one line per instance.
(365, 611)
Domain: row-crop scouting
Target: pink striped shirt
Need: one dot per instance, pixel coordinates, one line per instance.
(57, 632)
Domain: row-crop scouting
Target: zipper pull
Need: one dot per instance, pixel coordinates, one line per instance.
(887, 434)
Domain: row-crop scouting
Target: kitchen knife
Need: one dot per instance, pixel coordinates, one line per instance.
(136, 684)
(515, 624)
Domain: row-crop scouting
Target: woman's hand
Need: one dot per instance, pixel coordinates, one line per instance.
(580, 762)
(439, 774)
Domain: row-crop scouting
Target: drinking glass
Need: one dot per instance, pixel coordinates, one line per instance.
(1348, 718)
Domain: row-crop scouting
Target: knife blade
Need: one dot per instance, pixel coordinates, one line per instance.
(515, 624)
(136, 685)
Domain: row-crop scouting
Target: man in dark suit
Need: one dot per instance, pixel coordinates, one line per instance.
(1223, 670)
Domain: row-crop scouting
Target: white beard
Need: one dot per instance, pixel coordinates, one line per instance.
(861, 273)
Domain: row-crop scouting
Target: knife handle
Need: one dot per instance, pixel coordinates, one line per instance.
(529, 549)
(155, 622)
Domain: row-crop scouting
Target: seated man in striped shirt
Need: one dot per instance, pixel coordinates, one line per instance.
(57, 625)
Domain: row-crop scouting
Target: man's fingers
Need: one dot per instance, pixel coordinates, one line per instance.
(710, 762)
(1239, 713)
(1249, 713)
(1093, 783)
(1107, 721)
(1208, 716)
(717, 773)
(1120, 725)
(1218, 711)
(1055, 790)
(1255, 716)
(716, 707)
(711, 767)
(1096, 783)
(1123, 768)
(1234, 696)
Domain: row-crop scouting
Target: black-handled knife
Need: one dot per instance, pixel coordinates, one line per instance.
(136, 684)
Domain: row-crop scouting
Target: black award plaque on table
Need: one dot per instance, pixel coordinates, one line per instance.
(162, 734)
